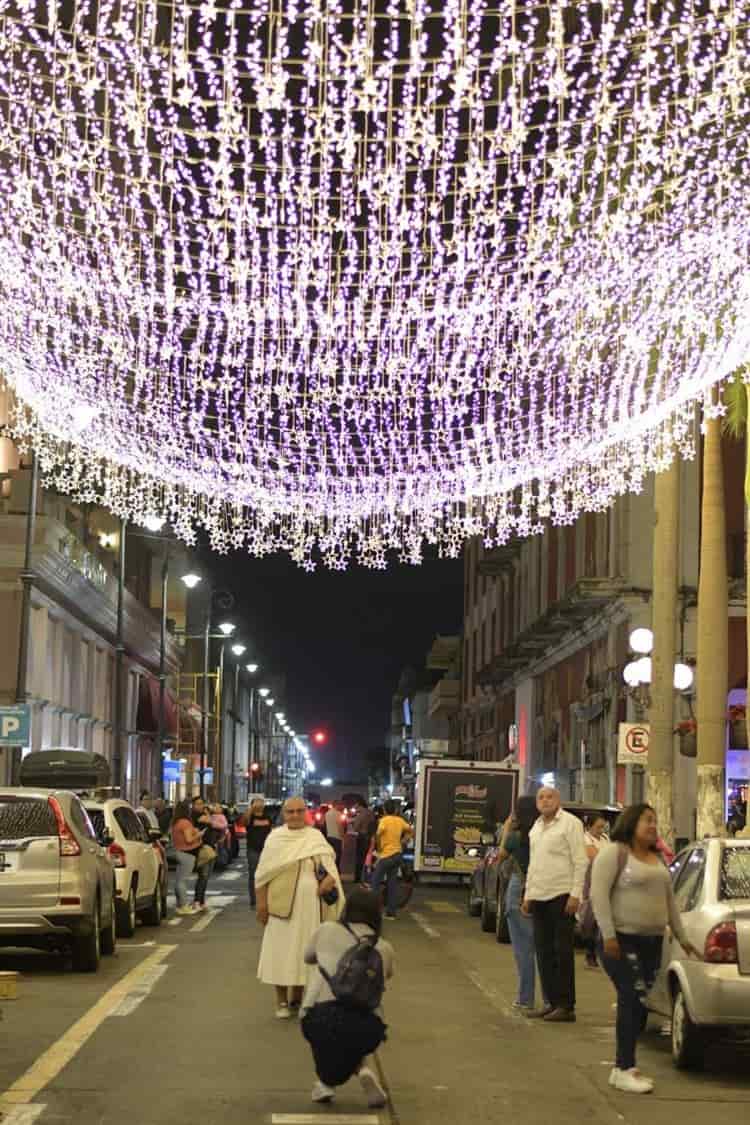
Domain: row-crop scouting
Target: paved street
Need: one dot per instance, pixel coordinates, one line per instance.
(177, 1025)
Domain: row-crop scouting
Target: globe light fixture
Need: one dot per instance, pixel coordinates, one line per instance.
(252, 668)
(643, 669)
(227, 628)
(238, 649)
(641, 641)
(264, 692)
(683, 677)
(191, 580)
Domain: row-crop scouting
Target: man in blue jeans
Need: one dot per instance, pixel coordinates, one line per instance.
(389, 838)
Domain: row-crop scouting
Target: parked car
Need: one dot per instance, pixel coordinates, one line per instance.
(489, 880)
(159, 844)
(708, 998)
(57, 883)
(138, 868)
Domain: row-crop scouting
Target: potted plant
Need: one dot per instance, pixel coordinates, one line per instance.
(687, 730)
(736, 717)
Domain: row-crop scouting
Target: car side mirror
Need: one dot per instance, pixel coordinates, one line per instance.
(106, 838)
(154, 834)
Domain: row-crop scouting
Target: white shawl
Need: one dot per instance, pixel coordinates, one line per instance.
(287, 846)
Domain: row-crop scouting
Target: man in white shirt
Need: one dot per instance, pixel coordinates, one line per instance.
(554, 885)
(335, 832)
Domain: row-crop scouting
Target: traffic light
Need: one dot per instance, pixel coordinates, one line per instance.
(319, 737)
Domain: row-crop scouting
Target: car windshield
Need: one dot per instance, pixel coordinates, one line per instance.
(735, 873)
(25, 816)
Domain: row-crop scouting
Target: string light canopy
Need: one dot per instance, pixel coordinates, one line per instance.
(340, 277)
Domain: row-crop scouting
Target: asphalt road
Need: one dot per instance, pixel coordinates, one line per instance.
(176, 1028)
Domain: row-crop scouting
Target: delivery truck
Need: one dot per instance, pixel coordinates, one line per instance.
(459, 807)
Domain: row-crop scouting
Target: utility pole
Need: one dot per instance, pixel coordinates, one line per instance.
(119, 706)
(204, 708)
(162, 667)
(27, 581)
(663, 623)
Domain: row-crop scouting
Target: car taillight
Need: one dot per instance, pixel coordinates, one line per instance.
(721, 944)
(117, 855)
(69, 846)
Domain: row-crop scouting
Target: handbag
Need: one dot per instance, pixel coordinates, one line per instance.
(206, 854)
(330, 898)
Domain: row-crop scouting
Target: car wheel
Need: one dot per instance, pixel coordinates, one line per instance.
(126, 914)
(87, 948)
(153, 915)
(109, 932)
(472, 906)
(688, 1042)
(486, 917)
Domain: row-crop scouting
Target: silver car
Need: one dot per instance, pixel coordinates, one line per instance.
(57, 884)
(709, 997)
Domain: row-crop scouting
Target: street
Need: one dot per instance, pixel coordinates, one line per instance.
(176, 1023)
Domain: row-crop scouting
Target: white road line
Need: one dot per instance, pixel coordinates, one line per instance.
(315, 1118)
(122, 948)
(424, 924)
(129, 1003)
(206, 920)
(23, 1114)
(217, 899)
(175, 921)
(49, 1064)
(495, 998)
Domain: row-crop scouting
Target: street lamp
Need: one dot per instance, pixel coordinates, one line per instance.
(238, 649)
(252, 668)
(264, 692)
(227, 628)
(191, 580)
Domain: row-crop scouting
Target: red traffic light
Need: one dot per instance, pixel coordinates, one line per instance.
(255, 767)
(319, 737)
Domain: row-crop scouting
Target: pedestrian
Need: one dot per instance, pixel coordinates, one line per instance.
(219, 822)
(259, 825)
(594, 838)
(187, 840)
(632, 897)
(363, 825)
(554, 884)
(341, 1035)
(297, 869)
(164, 813)
(211, 836)
(514, 844)
(389, 842)
(146, 808)
(335, 832)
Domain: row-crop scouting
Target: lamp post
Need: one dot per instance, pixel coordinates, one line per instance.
(27, 580)
(119, 658)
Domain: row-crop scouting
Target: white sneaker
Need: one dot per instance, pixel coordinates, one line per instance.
(630, 1081)
(283, 1013)
(322, 1093)
(184, 910)
(374, 1092)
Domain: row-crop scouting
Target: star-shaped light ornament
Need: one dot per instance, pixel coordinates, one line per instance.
(341, 279)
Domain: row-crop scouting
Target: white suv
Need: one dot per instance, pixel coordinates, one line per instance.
(140, 887)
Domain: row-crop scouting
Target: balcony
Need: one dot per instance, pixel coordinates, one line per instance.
(445, 699)
(585, 599)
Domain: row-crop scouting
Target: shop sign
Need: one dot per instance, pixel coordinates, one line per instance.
(632, 744)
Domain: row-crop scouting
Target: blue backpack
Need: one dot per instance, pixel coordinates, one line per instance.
(359, 980)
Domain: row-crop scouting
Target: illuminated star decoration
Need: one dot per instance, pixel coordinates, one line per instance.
(342, 278)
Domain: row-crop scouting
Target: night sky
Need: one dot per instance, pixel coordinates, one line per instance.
(341, 639)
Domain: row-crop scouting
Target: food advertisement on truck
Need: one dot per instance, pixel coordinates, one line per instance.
(457, 803)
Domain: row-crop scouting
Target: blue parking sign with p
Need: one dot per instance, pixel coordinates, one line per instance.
(15, 725)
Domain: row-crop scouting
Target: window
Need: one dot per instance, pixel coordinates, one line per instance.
(24, 816)
(689, 883)
(96, 816)
(130, 825)
(734, 881)
(80, 819)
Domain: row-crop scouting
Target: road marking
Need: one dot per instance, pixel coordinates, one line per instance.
(495, 998)
(175, 921)
(135, 945)
(139, 993)
(23, 1114)
(314, 1118)
(206, 920)
(55, 1058)
(221, 900)
(424, 924)
(443, 908)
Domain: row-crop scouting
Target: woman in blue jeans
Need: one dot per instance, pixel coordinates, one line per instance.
(515, 844)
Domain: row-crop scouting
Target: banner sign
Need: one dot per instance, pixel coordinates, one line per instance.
(15, 725)
(460, 805)
(632, 744)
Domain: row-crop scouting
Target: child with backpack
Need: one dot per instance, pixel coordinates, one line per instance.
(341, 1012)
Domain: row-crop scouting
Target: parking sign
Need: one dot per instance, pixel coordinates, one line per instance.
(15, 725)
(632, 744)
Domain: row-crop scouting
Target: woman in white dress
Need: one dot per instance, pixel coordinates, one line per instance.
(290, 884)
